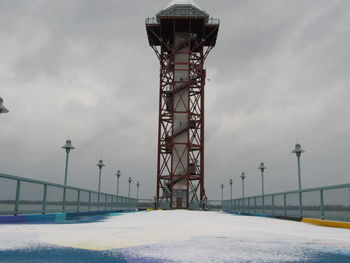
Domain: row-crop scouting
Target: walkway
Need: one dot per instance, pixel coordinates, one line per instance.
(176, 236)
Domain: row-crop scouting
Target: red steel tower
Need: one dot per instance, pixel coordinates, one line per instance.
(182, 35)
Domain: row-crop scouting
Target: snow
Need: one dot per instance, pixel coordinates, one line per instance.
(186, 236)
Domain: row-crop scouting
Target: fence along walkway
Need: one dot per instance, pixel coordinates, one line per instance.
(331, 202)
(20, 195)
(213, 205)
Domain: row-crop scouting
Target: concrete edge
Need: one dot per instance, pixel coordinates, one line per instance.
(51, 218)
(267, 215)
(327, 223)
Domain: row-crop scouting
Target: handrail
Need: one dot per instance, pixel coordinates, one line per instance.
(324, 203)
(40, 203)
(297, 191)
(52, 184)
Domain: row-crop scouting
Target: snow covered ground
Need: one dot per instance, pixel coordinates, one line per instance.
(177, 236)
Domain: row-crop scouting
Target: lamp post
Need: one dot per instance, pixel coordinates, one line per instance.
(222, 194)
(243, 177)
(137, 193)
(231, 182)
(3, 109)
(129, 180)
(262, 167)
(100, 164)
(68, 146)
(118, 174)
(298, 151)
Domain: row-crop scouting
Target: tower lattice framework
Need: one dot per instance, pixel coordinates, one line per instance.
(182, 37)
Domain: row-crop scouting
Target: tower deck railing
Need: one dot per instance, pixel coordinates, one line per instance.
(20, 195)
(330, 202)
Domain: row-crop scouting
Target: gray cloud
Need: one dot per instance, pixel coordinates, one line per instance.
(84, 69)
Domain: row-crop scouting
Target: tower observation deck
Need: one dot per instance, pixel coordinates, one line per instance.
(182, 35)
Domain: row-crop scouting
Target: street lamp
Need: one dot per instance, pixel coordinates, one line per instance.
(230, 182)
(100, 164)
(298, 151)
(222, 193)
(262, 167)
(118, 174)
(129, 180)
(3, 109)
(243, 177)
(137, 195)
(68, 146)
(231, 201)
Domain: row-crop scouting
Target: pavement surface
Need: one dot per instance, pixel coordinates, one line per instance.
(174, 236)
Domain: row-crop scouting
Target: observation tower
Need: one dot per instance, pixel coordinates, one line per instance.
(182, 35)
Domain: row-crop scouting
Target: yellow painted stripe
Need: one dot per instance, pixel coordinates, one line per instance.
(327, 223)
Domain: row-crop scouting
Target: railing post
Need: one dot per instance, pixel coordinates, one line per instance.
(89, 201)
(255, 205)
(44, 199)
(273, 204)
(18, 190)
(322, 204)
(111, 203)
(285, 204)
(78, 201)
(105, 202)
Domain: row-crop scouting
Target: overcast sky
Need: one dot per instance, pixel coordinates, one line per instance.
(83, 69)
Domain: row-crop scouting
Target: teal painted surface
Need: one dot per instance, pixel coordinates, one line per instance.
(60, 217)
(57, 217)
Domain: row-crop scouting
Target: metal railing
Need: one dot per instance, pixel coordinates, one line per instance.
(20, 195)
(213, 21)
(144, 204)
(155, 21)
(164, 204)
(330, 202)
(151, 21)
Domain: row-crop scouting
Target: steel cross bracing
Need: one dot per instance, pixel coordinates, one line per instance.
(176, 97)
